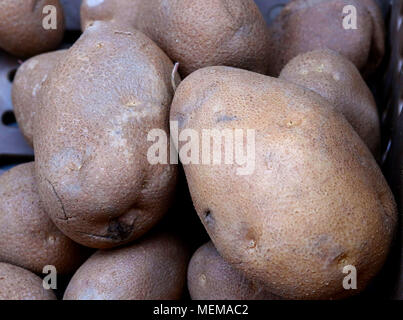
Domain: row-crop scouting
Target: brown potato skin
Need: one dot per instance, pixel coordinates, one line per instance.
(316, 201)
(210, 277)
(194, 33)
(337, 80)
(27, 84)
(97, 107)
(152, 269)
(21, 30)
(28, 238)
(307, 25)
(19, 284)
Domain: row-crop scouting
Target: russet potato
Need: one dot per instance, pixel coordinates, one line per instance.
(22, 31)
(90, 137)
(27, 84)
(307, 25)
(194, 33)
(153, 268)
(337, 80)
(316, 201)
(19, 284)
(210, 277)
(28, 237)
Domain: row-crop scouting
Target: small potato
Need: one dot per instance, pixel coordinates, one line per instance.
(337, 79)
(28, 238)
(210, 277)
(98, 105)
(27, 83)
(22, 31)
(19, 284)
(310, 199)
(307, 25)
(152, 269)
(194, 33)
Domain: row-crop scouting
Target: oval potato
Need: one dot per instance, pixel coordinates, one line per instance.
(28, 238)
(310, 200)
(337, 80)
(19, 284)
(152, 269)
(21, 26)
(210, 277)
(27, 84)
(97, 108)
(194, 33)
(307, 25)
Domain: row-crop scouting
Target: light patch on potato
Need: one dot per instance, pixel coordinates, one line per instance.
(94, 3)
(32, 64)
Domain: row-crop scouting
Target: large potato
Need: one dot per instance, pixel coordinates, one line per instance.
(28, 238)
(21, 27)
(152, 269)
(210, 277)
(19, 284)
(27, 84)
(194, 33)
(307, 25)
(97, 108)
(313, 200)
(338, 80)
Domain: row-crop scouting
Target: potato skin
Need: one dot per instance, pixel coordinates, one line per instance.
(307, 25)
(152, 269)
(194, 33)
(316, 201)
(337, 80)
(210, 277)
(19, 284)
(28, 238)
(27, 83)
(21, 30)
(97, 107)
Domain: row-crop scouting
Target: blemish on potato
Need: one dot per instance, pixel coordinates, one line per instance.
(125, 33)
(65, 217)
(320, 68)
(203, 279)
(51, 239)
(83, 58)
(326, 249)
(181, 119)
(291, 123)
(342, 261)
(226, 118)
(336, 76)
(208, 217)
(252, 244)
(117, 230)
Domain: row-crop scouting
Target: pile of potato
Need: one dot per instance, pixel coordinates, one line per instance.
(315, 203)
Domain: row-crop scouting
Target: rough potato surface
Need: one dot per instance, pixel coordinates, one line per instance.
(28, 237)
(152, 269)
(210, 277)
(21, 27)
(97, 107)
(20, 284)
(27, 84)
(194, 33)
(316, 201)
(338, 80)
(306, 25)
